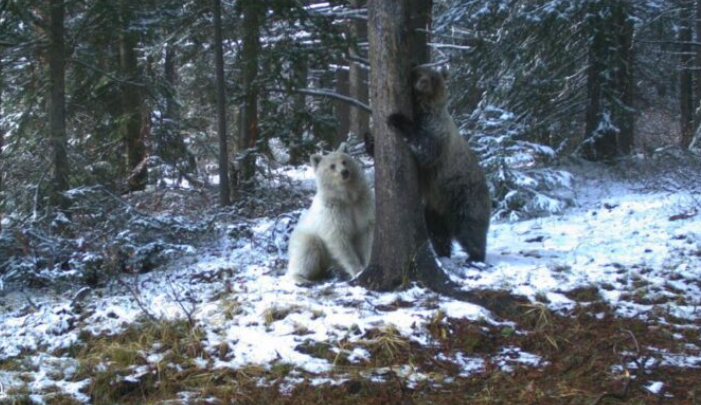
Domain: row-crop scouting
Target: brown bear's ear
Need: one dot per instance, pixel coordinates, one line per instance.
(315, 160)
(445, 73)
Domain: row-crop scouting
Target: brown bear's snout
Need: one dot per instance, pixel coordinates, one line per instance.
(345, 173)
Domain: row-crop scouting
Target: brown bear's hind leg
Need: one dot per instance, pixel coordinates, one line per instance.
(472, 236)
(439, 232)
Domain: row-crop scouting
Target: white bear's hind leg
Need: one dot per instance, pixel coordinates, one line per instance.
(308, 258)
(363, 246)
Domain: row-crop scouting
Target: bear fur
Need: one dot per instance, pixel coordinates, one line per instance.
(452, 183)
(338, 229)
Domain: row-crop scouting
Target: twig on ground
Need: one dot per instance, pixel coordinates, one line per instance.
(189, 313)
(136, 294)
(29, 300)
(639, 361)
(80, 296)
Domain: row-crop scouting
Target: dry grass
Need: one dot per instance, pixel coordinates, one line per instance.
(231, 308)
(120, 368)
(580, 351)
(278, 313)
(387, 346)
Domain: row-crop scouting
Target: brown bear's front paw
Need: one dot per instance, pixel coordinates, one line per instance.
(369, 142)
(400, 123)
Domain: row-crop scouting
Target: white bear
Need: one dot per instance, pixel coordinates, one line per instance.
(338, 229)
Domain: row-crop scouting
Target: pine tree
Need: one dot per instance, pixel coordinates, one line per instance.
(609, 117)
(252, 11)
(134, 127)
(224, 192)
(57, 104)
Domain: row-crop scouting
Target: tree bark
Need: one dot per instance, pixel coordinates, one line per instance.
(341, 110)
(686, 102)
(224, 191)
(2, 141)
(252, 10)
(358, 76)
(401, 250)
(169, 72)
(625, 81)
(697, 93)
(132, 130)
(300, 72)
(609, 117)
(57, 105)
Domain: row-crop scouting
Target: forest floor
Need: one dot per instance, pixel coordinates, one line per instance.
(614, 316)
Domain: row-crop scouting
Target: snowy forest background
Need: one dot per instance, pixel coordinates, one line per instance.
(149, 183)
(531, 83)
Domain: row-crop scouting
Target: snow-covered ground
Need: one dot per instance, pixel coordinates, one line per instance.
(629, 245)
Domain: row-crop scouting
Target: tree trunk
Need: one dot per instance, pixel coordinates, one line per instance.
(300, 72)
(596, 65)
(2, 141)
(224, 192)
(169, 72)
(625, 81)
(131, 101)
(401, 250)
(57, 105)
(695, 144)
(609, 118)
(341, 109)
(358, 76)
(697, 93)
(252, 10)
(686, 102)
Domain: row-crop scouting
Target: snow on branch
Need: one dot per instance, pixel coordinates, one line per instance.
(450, 46)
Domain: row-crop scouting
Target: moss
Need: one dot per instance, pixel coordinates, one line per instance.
(11, 365)
(61, 399)
(319, 350)
(584, 294)
(280, 369)
(473, 339)
(16, 399)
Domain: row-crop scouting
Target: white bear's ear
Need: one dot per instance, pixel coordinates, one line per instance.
(315, 160)
(445, 73)
(342, 148)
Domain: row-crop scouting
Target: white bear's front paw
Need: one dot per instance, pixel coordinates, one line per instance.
(357, 273)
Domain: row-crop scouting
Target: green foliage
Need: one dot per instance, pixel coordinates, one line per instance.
(529, 59)
(178, 109)
(532, 58)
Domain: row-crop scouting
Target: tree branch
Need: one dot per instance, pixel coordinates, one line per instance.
(107, 74)
(450, 46)
(326, 93)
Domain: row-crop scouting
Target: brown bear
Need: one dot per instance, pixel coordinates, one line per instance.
(453, 185)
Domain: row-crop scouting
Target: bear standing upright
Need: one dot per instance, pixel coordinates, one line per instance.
(337, 231)
(452, 183)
